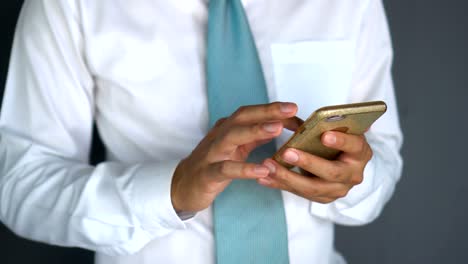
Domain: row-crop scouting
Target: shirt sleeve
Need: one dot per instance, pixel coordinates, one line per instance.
(372, 81)
(48, 192)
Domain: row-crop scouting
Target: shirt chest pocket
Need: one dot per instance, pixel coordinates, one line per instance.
(313, 73)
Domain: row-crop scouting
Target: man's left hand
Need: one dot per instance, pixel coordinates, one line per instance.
(328, 179)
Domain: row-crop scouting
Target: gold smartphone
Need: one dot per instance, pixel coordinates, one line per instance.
(349, 118)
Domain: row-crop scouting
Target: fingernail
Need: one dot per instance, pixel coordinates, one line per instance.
(287, 107)
(265, 181)
(271, 127)
(290, 156)
(261, 170)
(271, 167)
(330, 139)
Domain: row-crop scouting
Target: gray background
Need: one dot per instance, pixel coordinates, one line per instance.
(425, 221)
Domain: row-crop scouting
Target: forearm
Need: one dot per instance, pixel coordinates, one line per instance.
(111, 208)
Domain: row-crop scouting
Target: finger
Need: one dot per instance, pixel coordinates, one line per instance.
(251, 146)
(304, 186)
(229, 170)
(271, 183)
(264, 112)
(353, 144)
(333, 171)
(220, 122)
(235, 136)
(292, 123)
(214, 130)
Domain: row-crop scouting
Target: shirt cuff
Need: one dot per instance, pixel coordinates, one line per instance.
(151, 198)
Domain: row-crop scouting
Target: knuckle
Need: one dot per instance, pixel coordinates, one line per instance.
(361, 145)
(312, 192)
(334, 172)
(342, 192)
(275, 108)
(370, 154)
(220, 121)
(224, 168)
(257, 129)
(271, 109)
(241, 109)
(357, 179)
(282, 176)
(239, 113)
(230, 135)
(245, 170)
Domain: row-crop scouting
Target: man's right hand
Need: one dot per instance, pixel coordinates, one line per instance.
(221, 156)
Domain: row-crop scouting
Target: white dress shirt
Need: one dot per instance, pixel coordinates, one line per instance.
(136, 68)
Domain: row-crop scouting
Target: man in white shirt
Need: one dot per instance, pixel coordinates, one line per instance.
(136, 68)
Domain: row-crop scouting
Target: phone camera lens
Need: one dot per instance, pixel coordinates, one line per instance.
(335, 118)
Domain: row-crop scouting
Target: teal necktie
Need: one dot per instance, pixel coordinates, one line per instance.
(249, 219)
